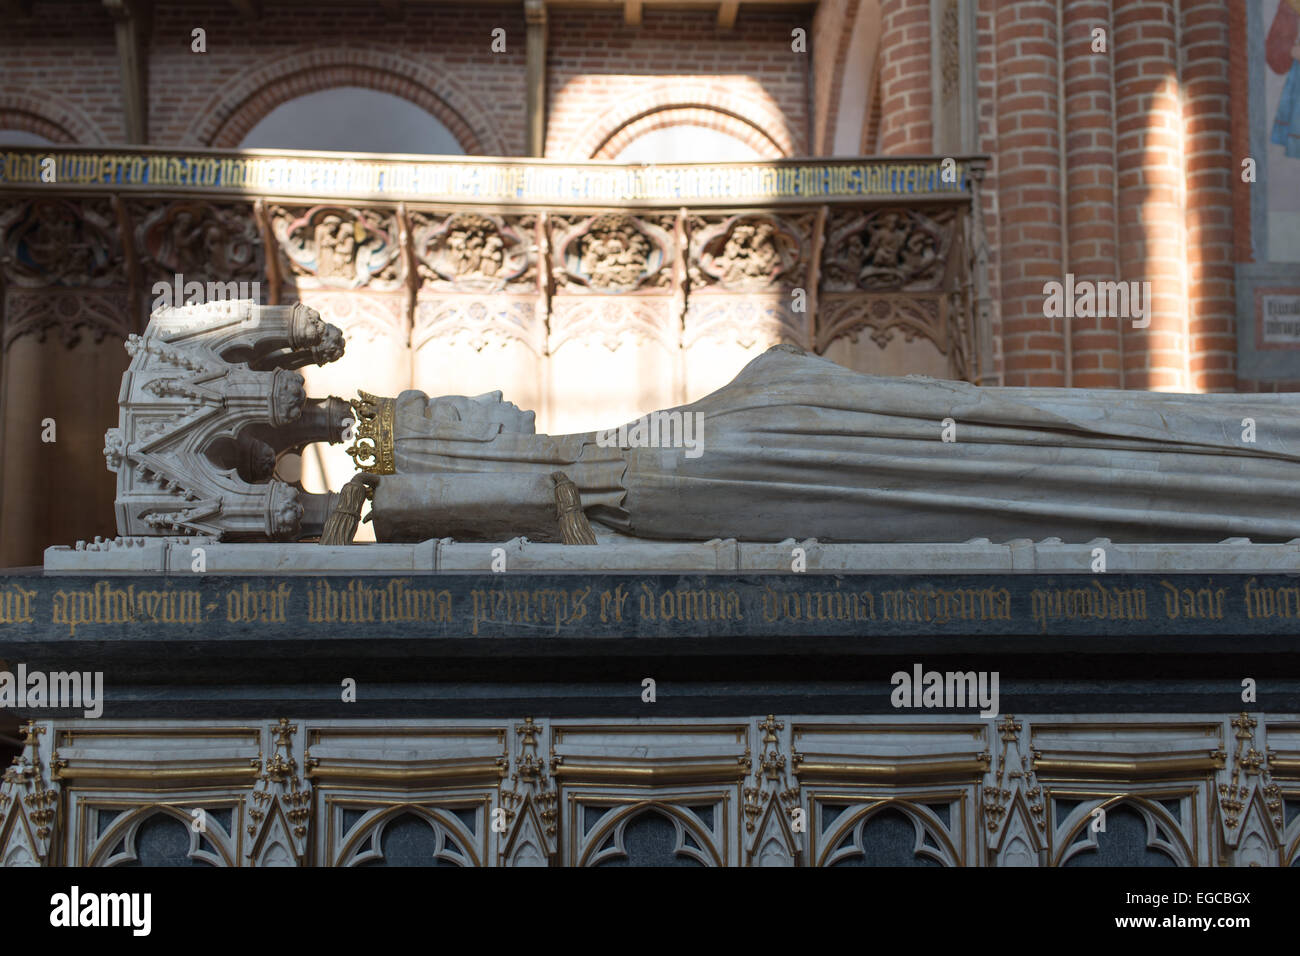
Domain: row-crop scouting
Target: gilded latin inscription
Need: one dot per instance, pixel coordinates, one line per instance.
(544, 607)
(15, 604)
(942, 606)
(360, 602)
(818, 606)
(107, 604)
(1193, 602)
(721, 604)
(1264, 602)
(1107, 604)
(498, 182)
(1096, 602)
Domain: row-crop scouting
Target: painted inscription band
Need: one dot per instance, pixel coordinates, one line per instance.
(483, 182)
(539, 605)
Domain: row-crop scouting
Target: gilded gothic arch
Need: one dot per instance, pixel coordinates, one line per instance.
(118, 845)
(754, 119)
(450, 841)
(236, 108)
(692, 841)
(1163, 833)
(845, 839)
(50, 116)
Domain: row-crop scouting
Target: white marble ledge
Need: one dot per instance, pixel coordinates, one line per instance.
(171, 555)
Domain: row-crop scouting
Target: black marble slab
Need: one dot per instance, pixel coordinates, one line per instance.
(474, 644)
(228, 611)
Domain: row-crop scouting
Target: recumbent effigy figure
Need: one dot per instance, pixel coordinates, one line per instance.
(797, 446)
(794, 447)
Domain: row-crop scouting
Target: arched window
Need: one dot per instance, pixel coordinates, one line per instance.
(20, 137)
(686, 143)
(352, 119)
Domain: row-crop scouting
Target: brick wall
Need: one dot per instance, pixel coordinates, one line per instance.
(430, 54)
(438, 57)
(60, 71)
(986, 86)
(59, 74)
(1143, 186)
(1152, 200)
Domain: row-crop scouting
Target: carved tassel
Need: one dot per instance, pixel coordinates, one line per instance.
(342, 524)
(574, 526)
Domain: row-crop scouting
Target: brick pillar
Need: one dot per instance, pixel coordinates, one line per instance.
(1239, 83)
(1152, 207)
(1029, 164)
(987, 98)
(905, 77)
(1090, 187)
(1210, 168)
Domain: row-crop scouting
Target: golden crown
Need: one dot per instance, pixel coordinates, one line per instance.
(372, 446)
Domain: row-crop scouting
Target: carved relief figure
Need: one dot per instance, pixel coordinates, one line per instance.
(743, 252)
(613, 254)
(55, 242)
(475, 252)
(339, 248)
(883, 251)
(201, 239)
(750, 252)
(336, 247)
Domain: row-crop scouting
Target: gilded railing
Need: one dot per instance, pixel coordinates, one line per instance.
(488, 180)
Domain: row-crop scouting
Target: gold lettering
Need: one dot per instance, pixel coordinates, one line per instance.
(16, 605)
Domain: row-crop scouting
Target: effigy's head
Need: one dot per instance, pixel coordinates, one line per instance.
(490, 408)
(470, 418)
(384, 423)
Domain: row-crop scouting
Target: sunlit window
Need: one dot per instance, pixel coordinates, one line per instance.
(686, 144)
(20, 137)
(352, 119)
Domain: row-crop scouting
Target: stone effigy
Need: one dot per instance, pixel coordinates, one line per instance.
(797, 446)
(794, 447)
